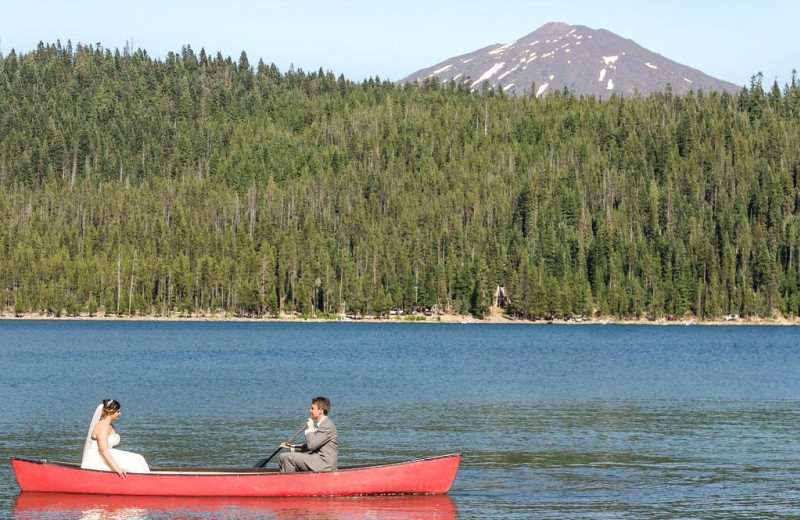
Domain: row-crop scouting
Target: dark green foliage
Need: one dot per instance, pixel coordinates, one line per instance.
(199, 185)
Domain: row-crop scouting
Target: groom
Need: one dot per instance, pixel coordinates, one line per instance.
(321, 449)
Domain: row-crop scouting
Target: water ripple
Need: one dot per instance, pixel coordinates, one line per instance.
(554, 422)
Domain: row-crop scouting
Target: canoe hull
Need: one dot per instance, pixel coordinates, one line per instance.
(425, 476)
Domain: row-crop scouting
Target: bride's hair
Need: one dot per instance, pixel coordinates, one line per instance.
(110, 406)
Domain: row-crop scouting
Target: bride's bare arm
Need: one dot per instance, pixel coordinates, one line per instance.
(101, 433)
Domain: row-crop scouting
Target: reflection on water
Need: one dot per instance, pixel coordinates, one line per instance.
(39, 506)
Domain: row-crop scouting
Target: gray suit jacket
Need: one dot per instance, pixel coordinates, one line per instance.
(325, 444)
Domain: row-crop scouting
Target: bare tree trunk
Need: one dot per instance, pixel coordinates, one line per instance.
(119, 280)
(130, 290)
(74, 168)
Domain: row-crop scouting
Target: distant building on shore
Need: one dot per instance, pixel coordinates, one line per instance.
(501, 299)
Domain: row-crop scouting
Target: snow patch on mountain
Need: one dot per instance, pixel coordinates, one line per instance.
(541, 89)
(489, 73)
(502, 48)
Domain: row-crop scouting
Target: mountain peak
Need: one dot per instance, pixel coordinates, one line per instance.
(586, 61)
(558, 27)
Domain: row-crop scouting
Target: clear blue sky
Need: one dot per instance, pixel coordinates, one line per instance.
(728, 39)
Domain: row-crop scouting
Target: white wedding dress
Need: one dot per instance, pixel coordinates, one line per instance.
(127, 460)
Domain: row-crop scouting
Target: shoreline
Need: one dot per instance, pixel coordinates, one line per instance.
(494, 318)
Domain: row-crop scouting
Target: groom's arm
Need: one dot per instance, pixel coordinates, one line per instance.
(321, 436)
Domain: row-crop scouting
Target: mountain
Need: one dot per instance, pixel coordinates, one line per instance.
(586, 61)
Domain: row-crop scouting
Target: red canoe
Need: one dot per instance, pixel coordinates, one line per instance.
(431, 476)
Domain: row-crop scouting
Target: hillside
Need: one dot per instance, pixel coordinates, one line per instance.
(137, 186)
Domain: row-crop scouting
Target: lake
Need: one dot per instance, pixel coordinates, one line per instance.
(574, 421)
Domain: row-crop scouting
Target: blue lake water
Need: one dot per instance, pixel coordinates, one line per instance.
(584, 421)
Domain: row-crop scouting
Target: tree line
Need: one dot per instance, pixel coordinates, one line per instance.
(200, 184)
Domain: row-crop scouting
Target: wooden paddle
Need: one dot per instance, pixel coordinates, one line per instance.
(263, 462)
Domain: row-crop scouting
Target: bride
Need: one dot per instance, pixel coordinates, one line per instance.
(99, 452)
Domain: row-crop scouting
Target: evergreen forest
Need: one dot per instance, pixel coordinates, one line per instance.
(199, 184)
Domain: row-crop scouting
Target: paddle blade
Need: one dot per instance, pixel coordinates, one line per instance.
(263, 462)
